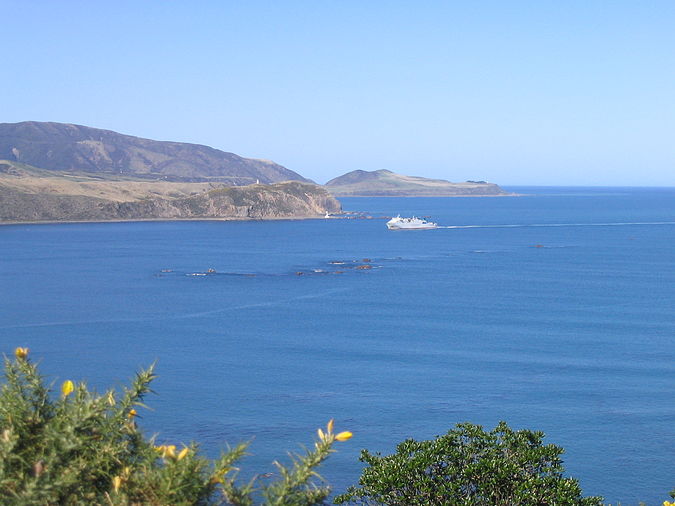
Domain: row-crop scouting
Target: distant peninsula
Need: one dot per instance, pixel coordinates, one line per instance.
(384, 183)
(63, 172)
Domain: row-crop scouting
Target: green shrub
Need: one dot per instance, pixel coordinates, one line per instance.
(469, 466)
(82, 448)
(78, 447)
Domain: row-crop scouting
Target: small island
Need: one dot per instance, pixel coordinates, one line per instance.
(384, 183)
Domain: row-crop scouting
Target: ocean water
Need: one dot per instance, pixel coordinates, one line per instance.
(553, 311)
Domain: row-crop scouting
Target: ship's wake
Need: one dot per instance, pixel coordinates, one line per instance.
(533, 225)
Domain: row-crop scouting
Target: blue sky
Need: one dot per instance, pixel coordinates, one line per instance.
(520, 92)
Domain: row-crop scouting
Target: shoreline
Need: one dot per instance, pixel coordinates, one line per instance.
(427, 196)
(141, 220)
(236, 218)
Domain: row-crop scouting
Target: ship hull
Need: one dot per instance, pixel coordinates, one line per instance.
(411, 227)
(413, 223)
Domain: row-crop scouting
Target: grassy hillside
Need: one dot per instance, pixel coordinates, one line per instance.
(66, 147)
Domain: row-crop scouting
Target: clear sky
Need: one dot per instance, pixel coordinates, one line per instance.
(516, 92)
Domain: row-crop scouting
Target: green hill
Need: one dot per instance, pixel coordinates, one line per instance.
(384, 183)
(65, 147)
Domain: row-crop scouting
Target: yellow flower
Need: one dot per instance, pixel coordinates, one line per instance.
(219, 475)
(344, 436)
(668, 503)
(183, 453)
(132, 413)
(167, 451)
(21, 353)
(329, 426)
(117, 483)
(67, 388)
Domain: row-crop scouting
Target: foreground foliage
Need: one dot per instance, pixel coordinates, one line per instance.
(469, 466)
(83, 448)
(77, 447)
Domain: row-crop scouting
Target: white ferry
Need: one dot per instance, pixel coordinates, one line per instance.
(413, 223)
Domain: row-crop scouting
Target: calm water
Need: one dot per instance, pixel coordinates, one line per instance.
(566, 329)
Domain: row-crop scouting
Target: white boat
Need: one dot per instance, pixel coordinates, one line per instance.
(413, 223)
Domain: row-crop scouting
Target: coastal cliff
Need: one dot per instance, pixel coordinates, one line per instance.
(28, 194)
(65, 172)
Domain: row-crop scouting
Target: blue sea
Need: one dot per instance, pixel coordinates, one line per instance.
(553, 311)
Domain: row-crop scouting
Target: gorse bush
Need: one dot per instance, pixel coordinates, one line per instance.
(77, 447)
(469, 466)
(74, 446)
